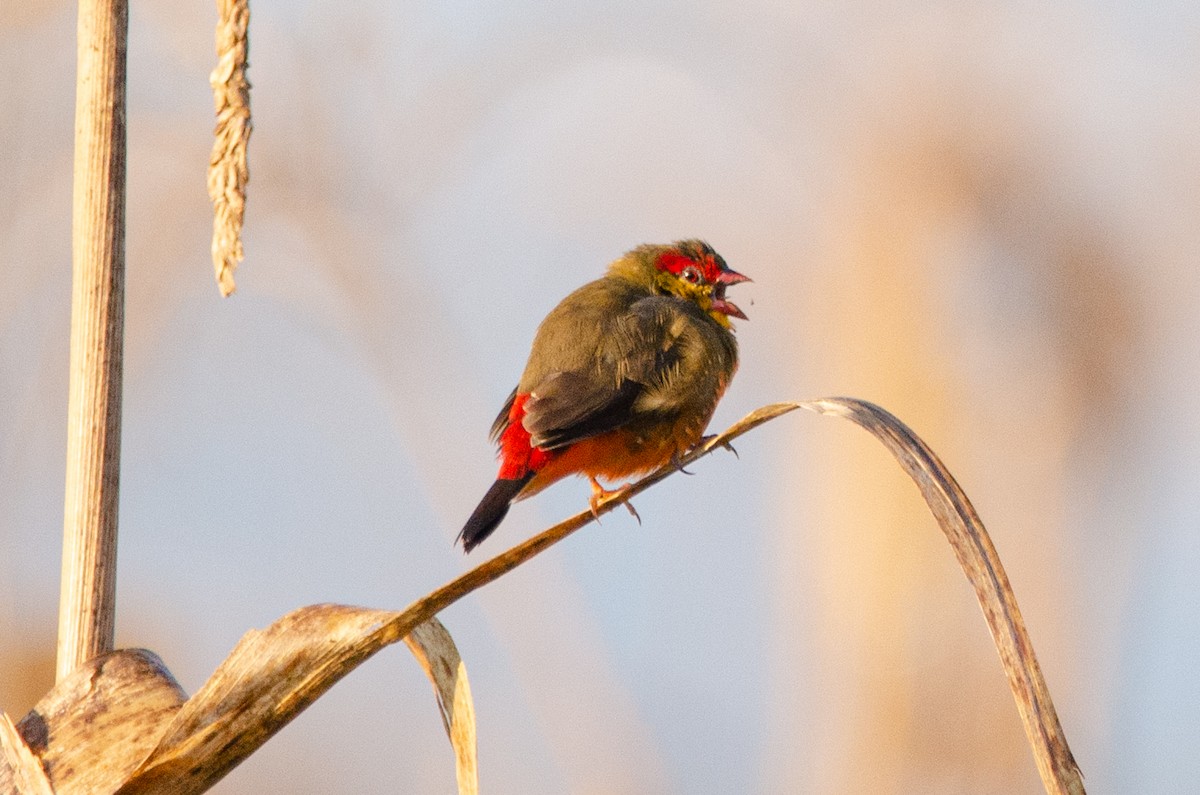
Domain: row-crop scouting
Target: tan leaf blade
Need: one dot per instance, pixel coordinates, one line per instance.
(981, 564)
(434, 649)
(97, 724)
(268, 679)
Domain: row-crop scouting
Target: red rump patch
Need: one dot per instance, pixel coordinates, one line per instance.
(517, 456)
(674, 262)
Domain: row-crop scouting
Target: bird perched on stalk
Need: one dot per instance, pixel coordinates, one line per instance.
(622, 378)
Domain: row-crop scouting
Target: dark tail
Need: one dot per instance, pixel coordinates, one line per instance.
(491, 511)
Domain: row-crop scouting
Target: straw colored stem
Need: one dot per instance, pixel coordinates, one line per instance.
(86, 607)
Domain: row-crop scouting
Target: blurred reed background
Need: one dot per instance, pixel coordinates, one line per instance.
(981, 216)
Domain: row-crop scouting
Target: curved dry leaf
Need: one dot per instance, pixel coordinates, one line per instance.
(274, 674)
(434, 649)
(954, 514)
(268, 679)
(981, 564)
(96, 725)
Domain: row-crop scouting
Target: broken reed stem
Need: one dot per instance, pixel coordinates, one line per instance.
(274, 674)
(955, 515)
(88, 591)
(228, 171)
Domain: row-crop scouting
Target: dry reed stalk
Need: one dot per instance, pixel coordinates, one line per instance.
(88, 592)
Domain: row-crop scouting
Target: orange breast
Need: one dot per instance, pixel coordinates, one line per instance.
(619, 454)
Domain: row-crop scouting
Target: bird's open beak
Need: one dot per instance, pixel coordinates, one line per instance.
(727, 279)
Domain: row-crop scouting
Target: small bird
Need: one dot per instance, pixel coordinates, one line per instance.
(622, 378)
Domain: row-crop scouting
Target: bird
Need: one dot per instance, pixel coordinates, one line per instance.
(622, 378)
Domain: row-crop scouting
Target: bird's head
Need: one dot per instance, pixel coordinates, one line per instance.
(689, 269)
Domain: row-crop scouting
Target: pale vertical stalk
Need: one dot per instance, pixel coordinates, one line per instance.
(87, 601)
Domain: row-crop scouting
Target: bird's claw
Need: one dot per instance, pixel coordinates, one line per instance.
(678, 464)
(707, 440)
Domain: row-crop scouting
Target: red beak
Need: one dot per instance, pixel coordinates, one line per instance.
(726, 279)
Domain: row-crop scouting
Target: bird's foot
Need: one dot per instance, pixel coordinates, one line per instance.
(600, 493)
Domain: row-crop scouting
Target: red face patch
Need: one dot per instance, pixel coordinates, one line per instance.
(675, 261)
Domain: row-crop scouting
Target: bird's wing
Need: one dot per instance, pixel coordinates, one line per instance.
(502, 418)
(635, 354)
(568, 407)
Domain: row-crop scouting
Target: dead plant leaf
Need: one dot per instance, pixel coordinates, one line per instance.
(434, 649)
(94, 727)
(979, 561)
(270, 677)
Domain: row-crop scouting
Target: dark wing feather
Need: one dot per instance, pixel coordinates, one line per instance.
(502, 418)
(568, 407)
(636, 353)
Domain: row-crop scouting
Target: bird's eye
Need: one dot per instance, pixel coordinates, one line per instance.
(691, 274)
